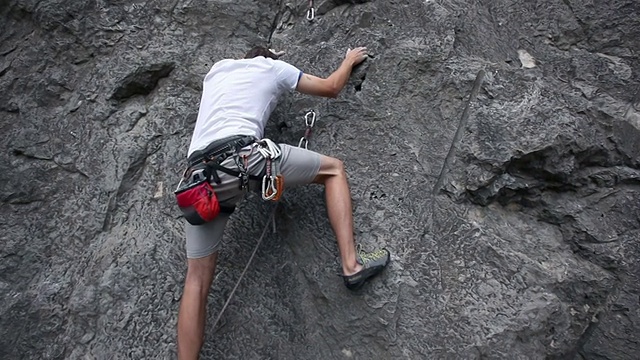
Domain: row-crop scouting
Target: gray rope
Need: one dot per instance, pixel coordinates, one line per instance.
(255, 250)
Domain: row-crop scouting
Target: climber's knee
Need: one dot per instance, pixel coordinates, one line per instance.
(200, 272)
(329, 167)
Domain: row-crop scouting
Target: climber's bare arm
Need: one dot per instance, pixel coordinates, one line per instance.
(333, 85)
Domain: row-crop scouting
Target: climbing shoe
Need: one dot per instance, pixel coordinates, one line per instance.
(372, 264)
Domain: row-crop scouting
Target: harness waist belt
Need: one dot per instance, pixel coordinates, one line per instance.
(221, 149)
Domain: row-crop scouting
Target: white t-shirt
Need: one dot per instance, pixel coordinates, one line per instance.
(238, 97)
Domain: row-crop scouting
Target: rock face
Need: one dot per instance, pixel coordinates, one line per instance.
(516, 239)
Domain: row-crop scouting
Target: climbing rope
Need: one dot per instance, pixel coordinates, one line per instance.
(270, 151)
(255, 250)
(311, 12)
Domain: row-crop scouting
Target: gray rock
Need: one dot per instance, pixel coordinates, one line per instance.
(526, 247)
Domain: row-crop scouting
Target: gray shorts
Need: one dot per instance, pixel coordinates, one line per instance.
(297, 165)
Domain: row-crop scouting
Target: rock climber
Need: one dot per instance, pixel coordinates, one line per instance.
(237, 99)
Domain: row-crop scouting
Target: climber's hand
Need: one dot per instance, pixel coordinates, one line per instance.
(277, 53)
(356, 56)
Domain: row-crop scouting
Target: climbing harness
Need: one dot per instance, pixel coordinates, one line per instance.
(310, 121)
(195, 195)
(311, 12)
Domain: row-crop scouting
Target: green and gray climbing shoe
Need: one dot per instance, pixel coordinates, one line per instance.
(372, 264)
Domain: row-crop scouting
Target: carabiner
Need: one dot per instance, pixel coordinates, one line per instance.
(310, 118)
(269, 149)
(305, 141)
(269, 190)
(311, 14)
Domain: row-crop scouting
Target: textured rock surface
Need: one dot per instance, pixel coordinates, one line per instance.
(529, 249)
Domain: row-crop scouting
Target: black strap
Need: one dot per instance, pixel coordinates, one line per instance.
(230, 171)
(227, 209)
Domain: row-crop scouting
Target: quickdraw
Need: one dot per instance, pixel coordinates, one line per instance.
(310, 121)
(243, 166)
(272, 186)
(272, 181)
(311, 13)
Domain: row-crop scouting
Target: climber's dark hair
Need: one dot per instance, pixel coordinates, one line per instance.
(260, 51)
